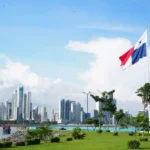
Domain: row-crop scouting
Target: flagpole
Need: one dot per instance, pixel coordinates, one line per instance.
(148, 70)
(148, 56)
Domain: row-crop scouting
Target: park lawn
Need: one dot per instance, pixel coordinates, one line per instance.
(93, 141)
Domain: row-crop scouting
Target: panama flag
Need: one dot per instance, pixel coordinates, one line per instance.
(134, 54)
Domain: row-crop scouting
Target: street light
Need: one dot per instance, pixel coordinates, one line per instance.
(87, 94)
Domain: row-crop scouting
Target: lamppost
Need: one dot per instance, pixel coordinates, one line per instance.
(87, 94)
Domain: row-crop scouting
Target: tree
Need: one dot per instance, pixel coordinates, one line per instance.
(100, 116)
(119, 115)
(143, 122)
(44, 133)
(92, 121)
(144, 93)
(107, 100)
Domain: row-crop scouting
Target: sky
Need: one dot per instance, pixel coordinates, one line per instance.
(58, 49)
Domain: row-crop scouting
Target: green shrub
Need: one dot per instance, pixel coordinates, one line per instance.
(55, 139)
(115, 134)
(28, 137)
(144, 139)
(131, 133)
(145, 134)
(7, 144)
(133, 144)
(107, 130)
(78, 134)
(33, 141)
(99, 131)
(22, 143)
(69, 139)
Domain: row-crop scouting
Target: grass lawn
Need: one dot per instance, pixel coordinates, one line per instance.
(93, 141)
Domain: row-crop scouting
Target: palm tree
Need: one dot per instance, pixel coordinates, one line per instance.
(144, 93)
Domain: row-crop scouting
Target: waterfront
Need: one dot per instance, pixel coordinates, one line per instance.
(58, 127)
(13, 130)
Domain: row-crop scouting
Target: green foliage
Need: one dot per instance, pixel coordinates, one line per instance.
(34, 141)
(144, 93)
(131, 133)
(107, 130)
(55, 140)
(119, 115)
(28, 137)
(69, 139)
(145, 134)
(133, 144)
(99, 131)
(107, 100)
(115, 134)
(44, 133)
(144, 139)
(93, 122)
(20, 143)
(142, 120)
(7, 144)
(78, 134)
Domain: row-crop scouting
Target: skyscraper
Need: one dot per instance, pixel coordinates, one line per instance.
(14, 106)
(35, 114)
(20, 93)
(28, 105)
(82, 115)
(62, 109)
(24, 106)
(73, 111)
(94, 113)
(2, 111)
(21, 105)
(78, 113)
(8, 110)
(67, 110)
(43, 114)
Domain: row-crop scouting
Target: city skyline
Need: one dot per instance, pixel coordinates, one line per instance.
(61, 49)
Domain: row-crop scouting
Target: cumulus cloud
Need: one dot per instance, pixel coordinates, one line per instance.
(45, 91)
(104, 72)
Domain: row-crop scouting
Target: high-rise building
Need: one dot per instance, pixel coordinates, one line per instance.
(14, 106)
(62, 109)
(53, 116)
(44, 114)
(8, 110)
(21, 105)
(78, 113)
(73, 111)
(82, 115)
(99, 105)
(94, 113)
(67, 110)
(20, 93)
(2, 111)
(28, 106)
(108, 117)
(24, 106)
(35, 114)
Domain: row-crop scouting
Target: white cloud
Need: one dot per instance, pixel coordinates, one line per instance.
(45, 91)
(104, 72)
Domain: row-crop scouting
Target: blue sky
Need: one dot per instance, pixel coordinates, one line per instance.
(36, 32)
